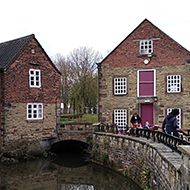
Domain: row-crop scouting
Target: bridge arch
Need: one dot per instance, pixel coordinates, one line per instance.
(69, 146)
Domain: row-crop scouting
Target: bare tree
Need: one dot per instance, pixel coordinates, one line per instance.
(83, 61)
(66, 79)
(78, 81)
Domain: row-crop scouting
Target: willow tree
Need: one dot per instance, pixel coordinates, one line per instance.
(83, 61)
(85, 94)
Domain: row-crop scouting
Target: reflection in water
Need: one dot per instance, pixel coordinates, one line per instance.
(76, 187)
(70, 160)
(68, 171)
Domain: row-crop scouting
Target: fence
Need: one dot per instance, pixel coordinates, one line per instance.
(155, 135)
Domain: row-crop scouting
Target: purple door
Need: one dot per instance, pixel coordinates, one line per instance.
(147, 113)
(146, 83)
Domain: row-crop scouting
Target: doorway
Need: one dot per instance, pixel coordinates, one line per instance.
(147, 113)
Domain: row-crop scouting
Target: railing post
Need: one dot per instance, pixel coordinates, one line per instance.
(99, 127)
(107, 127)
(116, 129)
(137, 132)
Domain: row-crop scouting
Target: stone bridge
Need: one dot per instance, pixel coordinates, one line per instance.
(76, 131)
(73, 135)
(134, 156)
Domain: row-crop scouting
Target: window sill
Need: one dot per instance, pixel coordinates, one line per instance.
(146, 55)
(143, 100)
(173, 92)
(35, 121)
(120, 94)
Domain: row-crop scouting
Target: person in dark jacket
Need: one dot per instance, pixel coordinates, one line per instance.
(135, 119)
(170, 122)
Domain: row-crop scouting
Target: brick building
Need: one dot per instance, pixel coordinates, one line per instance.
(147, 73)
(30, 91)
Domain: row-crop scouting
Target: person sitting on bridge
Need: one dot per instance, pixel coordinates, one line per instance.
(171, 123)
(147, 125)
(135, 120)
(136, 123)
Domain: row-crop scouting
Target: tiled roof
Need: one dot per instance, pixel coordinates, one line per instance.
(10, 49)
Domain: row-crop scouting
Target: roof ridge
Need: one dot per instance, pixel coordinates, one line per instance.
(32, 35)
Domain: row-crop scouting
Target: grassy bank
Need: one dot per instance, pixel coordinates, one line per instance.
(85, 118)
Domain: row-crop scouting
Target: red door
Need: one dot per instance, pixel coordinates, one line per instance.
(147, 113)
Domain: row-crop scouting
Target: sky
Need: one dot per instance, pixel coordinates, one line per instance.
(61, 26)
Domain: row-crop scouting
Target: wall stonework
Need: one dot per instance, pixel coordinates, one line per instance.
(76, 131)
(109, 101)
(16, 125)
(133, 156)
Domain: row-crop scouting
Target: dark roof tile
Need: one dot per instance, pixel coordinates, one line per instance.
(10, 49)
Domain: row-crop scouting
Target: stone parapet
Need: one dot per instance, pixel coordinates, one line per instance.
(135, 156)
(185, 168)
(76, 131)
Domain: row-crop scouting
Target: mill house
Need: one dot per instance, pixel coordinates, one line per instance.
(147, 73)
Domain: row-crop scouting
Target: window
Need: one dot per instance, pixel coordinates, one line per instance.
(120, 86)
(120, 117)
(34, 111)
(146, 46)
(178, 116)
(146, 83)
(35, 78)
(173, 83)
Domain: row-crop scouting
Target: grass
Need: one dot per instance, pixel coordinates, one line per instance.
(91, 118)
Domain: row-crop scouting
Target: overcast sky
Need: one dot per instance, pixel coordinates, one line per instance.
(63, 25)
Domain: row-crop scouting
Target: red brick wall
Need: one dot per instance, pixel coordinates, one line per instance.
(167, 51)
(16, 77)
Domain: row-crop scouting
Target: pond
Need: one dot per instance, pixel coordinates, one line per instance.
(69, 171)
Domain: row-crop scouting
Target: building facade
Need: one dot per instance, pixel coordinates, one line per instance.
(30, 91)
(147, 73)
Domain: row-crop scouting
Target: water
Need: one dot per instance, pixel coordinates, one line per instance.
(68, 172)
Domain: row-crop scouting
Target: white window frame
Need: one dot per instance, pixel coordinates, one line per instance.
(138, 80)
(146, 46)
(178, 116)
(120, 86)
(35, 78)
(34, 111)
(173, 83)
(120, 118)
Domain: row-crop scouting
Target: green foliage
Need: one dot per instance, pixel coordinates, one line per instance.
(145, 177)
(90, 143)
(85, 94)
(91, 118)
(104, 157)
(63, 120)
(95, 154)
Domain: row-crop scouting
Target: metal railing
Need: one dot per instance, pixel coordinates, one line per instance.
(157, 136)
